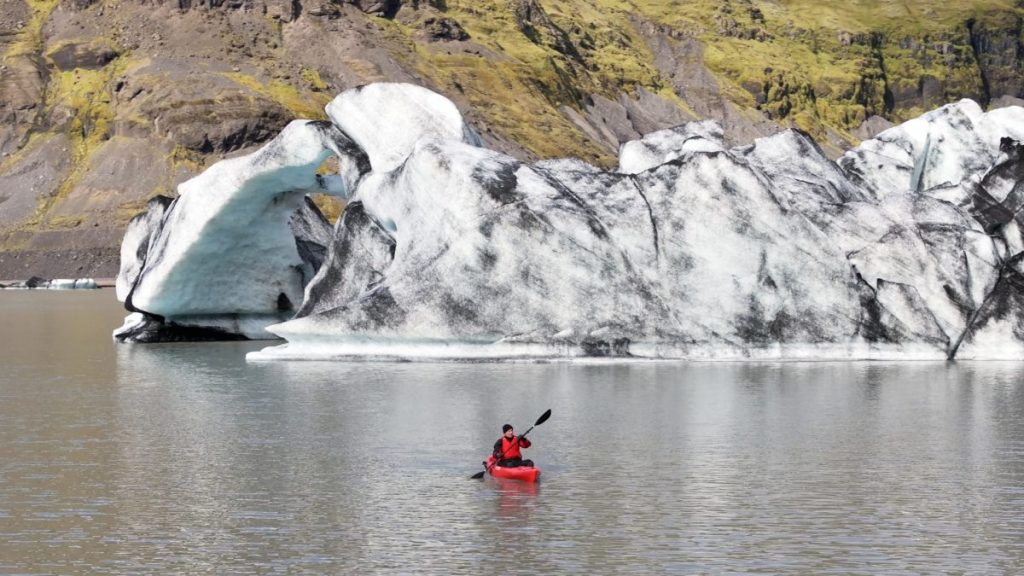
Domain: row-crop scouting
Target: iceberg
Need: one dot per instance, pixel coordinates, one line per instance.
(909, 246)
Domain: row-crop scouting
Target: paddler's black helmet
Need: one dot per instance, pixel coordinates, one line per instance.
(506, 428)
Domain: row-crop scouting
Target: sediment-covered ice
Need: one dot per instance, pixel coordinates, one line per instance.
(909, 246)
(935, 153)
(659, 147)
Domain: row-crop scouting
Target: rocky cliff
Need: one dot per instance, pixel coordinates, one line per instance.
(108, 103)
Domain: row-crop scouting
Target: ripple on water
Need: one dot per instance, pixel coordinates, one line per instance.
(185, 459)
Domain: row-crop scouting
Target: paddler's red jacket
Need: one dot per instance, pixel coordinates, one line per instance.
(510, 448)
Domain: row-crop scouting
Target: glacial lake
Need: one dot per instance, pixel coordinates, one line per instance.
(184, 458)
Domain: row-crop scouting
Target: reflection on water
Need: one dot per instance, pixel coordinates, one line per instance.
(515, 501)
(183, 458)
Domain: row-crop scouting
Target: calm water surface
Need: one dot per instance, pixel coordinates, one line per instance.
(183, 458)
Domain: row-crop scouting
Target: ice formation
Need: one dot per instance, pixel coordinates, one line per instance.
(235, 250)
(37, 283)
(909, 246)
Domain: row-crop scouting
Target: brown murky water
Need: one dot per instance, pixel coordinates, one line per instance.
(186, 459)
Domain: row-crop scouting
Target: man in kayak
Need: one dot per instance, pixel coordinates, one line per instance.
(506, 449)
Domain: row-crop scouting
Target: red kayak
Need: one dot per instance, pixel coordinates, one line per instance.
(524, 473)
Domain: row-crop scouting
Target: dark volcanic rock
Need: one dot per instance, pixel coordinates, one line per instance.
(88, 55)
(998, 50)
(442, 28)
(536, 25)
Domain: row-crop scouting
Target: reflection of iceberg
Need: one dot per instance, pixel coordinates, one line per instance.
(908, 247)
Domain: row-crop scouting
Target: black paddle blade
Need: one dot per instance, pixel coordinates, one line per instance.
(543, 418)
(477, 476)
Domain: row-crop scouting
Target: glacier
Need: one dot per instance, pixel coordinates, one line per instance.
(907, 247)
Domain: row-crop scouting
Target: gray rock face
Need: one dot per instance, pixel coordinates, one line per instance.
(909, 247)
(23, 79)
(615, 122)
(32, 177)
(535, 24)
(681, 59)
(86, 55)
(441, 29)
(385, 8)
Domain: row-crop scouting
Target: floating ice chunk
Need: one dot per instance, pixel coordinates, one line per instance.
(56, 284)
(73, 284)
(449, 250)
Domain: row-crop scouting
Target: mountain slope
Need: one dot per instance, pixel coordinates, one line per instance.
(107, 103)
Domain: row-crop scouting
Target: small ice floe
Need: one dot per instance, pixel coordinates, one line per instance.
(37, 283)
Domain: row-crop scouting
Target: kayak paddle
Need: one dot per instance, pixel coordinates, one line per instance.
(543, 418)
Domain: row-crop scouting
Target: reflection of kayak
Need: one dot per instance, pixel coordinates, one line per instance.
(524, 473)
(513, 491)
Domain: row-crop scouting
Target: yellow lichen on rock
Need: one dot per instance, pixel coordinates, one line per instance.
(303, 105)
